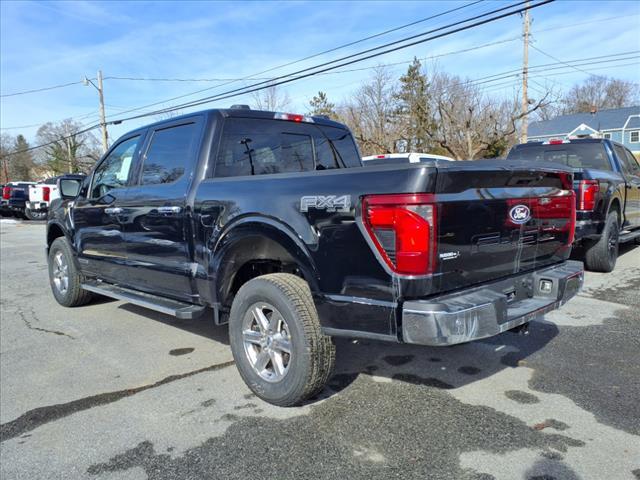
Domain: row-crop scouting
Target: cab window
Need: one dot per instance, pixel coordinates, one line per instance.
(113, 171)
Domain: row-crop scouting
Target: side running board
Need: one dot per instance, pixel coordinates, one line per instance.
(181, 310)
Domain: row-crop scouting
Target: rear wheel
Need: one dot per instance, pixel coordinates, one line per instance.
(601, 256)
(64, 277)
(35, 214)
(276, 340)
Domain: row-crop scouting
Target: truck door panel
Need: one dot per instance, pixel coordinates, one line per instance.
(97, 213)
(156, 226)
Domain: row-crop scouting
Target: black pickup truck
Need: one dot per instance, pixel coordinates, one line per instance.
(607, 186)
(268, 222)
(14, 198)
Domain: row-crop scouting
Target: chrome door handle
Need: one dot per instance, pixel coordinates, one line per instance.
(113, 211)
(169, 210)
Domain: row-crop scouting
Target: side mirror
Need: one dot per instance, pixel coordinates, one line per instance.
(69, 188)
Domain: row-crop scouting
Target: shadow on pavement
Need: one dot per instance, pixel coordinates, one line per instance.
(439, 367)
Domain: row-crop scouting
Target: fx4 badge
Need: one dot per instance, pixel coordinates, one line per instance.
(330, 203)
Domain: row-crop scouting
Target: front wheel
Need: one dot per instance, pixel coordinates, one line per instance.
(276, 340)
(64, 276)
(601, 256)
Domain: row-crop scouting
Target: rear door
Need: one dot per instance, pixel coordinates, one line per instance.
(155, 218)
(631, 170)
(97, 212)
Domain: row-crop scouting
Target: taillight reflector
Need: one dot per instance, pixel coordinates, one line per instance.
(587, 193)
(46, 194)
(402, 228)
(6, 193)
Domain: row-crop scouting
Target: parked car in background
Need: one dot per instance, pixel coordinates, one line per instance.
(607, 187)
(266, 221)
(42, 194)
(402, 158)
(14, 198)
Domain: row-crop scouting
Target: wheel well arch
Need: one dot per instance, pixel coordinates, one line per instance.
(54, 231)
(253, 249)
(615, 206)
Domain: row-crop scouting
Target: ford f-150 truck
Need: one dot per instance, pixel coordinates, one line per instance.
(607, 187)
(268, 222)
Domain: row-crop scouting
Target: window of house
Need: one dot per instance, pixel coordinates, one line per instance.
(170, 153)
(634, 136)
(113, 171)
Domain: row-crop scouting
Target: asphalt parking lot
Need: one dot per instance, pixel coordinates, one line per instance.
(110, 391)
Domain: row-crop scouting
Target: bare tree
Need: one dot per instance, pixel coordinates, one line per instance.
(67, 151)
(600, 93)
(469, 124)
(271, 99)
(370, 114)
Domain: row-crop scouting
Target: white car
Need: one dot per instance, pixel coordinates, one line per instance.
(396, 158)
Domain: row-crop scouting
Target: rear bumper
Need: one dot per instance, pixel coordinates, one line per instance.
(37, 206)
(484, 311)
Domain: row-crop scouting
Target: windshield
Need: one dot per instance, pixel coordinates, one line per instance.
(574, 155)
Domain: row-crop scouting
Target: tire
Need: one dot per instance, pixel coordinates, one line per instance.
(601, 256)
(289, 320)
(30, 215)
(60, 262)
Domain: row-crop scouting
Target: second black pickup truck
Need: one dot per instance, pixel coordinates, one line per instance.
(607, 185)
(268, 222)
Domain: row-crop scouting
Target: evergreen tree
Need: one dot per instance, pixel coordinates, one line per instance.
(413, 110)
(320, 105)
(21, 162)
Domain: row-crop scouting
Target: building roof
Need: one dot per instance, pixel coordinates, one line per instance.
(611, 119)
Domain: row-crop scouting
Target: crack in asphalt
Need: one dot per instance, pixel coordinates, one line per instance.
(23, 317)
(42, 415)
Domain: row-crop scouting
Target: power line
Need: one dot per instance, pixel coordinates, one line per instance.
(141, 79)
(252, 76)
(284, 79)
(40, 89)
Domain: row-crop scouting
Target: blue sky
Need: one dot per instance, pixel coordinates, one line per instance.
(49, 43)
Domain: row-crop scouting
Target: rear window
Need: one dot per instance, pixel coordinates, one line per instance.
(574, 155)
(260, 147)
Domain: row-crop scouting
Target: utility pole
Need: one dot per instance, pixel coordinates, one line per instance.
(525, 73)
(103, 121)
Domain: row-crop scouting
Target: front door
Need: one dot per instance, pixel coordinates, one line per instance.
(97, 213)
(156, 227)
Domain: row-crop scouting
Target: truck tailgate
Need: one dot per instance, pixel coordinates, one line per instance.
(497, 220)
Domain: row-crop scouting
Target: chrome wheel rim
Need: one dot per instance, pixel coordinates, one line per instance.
(267, 341)
(60, 273)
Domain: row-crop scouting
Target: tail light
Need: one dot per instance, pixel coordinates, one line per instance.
(402, 228)
(6, 193)
(46, 194)
(587, 193)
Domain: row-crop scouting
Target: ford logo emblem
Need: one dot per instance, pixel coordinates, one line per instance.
(520, 214)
